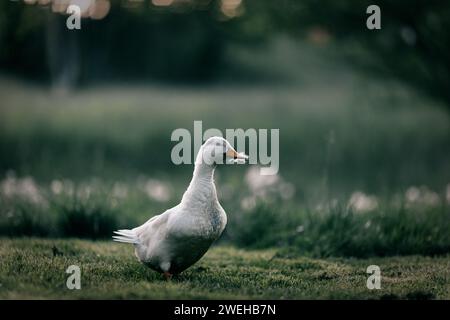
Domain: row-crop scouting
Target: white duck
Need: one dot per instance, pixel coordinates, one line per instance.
(176, 239)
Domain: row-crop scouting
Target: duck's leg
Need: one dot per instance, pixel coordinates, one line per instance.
(165, 267)
(168, 276)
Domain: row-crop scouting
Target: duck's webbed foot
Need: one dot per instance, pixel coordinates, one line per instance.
(168, 276)
(165, 268)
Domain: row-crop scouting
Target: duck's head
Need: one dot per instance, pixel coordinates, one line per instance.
(217, 150)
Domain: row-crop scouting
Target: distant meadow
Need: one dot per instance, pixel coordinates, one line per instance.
(356, 178)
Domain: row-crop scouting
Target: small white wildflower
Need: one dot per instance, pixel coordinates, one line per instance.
(157, 190)
(287, 190)
(69, 187)
(259, 183)
(8, 185)
(85, 191)
(431, 198)
(248, 203)
(361, 202)
(268, 187)
(120, 190)
(412, 194)
(25, 188)
(57, 187)
(421, 196)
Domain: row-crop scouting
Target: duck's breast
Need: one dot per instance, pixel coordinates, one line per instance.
(191, 234)
(203, 222)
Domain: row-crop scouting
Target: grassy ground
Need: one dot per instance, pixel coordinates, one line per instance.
(29, 268)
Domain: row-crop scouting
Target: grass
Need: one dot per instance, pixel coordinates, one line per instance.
(342, 232)
(363, 227)
(30, 269)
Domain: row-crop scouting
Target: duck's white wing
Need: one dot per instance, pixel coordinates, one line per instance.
(155, 227)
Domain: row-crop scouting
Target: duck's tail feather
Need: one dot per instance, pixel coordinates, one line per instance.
(126, 236)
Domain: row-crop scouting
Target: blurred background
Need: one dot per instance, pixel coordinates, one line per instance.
(86, 117)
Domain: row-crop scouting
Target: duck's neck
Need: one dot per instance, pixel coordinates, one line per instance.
(202, 188)
(203, 174)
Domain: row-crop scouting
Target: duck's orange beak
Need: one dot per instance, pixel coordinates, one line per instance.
(231, 153)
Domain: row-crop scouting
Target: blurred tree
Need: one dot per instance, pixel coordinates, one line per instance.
(186, 41)
(138, 41)
(63, 53)
(412, 45)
